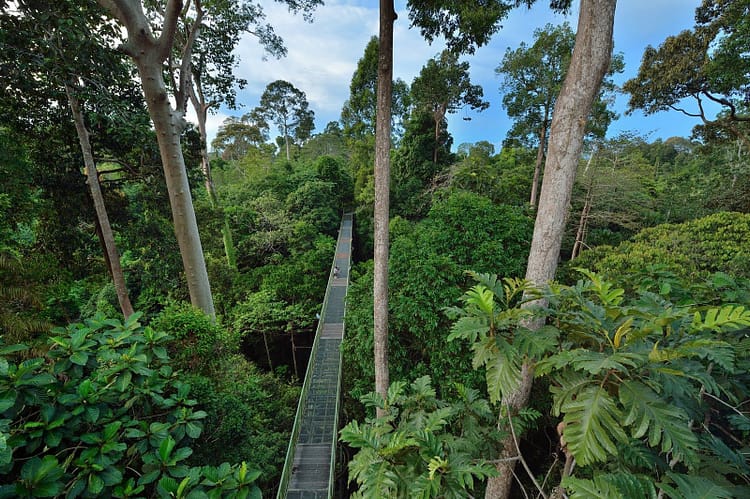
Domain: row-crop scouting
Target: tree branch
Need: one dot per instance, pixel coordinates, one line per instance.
(727, 103)
(186, 75)
(686, 113)
(169, 29)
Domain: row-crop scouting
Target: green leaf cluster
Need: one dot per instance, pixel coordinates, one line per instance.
(424, 447)
(648, 390)
(102, 413)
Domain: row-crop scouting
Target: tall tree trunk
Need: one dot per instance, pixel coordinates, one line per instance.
(538, 163)
(92, 179)
(382, 195)
(201, 111)
(588, 65)
(149, 54)
(286, 142)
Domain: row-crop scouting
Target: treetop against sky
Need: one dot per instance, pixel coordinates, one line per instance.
(322, 57)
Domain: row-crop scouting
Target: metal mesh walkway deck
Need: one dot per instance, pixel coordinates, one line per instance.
(310, 459)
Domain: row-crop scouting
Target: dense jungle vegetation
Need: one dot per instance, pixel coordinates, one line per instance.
(123, 375)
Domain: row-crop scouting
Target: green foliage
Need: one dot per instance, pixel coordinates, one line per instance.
(427, 264)
(630, 376)
(194, 338)
(284, 104)
(693, 249)
(104, 414)
(423, 447)
(704, 64)
(249, 417)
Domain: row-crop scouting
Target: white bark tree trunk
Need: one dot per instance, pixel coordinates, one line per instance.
(149, 54)
(92, 180)
(382, 196)
(589, 63)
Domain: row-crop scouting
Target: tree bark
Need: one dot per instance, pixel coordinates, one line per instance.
(538, 163)
(382, 196)
(588, 65)
(92, 179)
(149, 54)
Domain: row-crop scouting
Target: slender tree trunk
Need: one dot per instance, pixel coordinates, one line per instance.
(382, 195)
(582, 225)
(539, 162)
(268, 352)
(201, 111)
(286, 142)
(588, 65)
(92, 179)
(294, 355)
(438, 117)
(149, 53)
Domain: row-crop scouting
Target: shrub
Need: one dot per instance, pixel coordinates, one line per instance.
(195, 339)
(103, 414)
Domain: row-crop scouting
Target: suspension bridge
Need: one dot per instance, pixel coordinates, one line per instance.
(311, 456)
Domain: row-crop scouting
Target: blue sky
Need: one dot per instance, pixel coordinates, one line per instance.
(322, 57)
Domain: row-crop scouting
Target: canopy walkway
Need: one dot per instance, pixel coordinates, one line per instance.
(311, 456)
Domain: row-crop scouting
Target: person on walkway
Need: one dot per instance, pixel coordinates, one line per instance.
(335, 271)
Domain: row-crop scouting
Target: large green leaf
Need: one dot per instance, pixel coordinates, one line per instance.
(694, 487)
(569, 385)
(469, 328)
(726, 317)
(503, 371)
(648, 414)
(592, 425)
(536, 343)
(599, 362)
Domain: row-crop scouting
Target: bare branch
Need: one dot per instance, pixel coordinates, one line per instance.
(686, 113)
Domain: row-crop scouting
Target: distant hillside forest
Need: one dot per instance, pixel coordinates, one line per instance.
(159, 290)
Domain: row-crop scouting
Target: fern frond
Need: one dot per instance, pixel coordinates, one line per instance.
(648, 414)
(592, 425)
